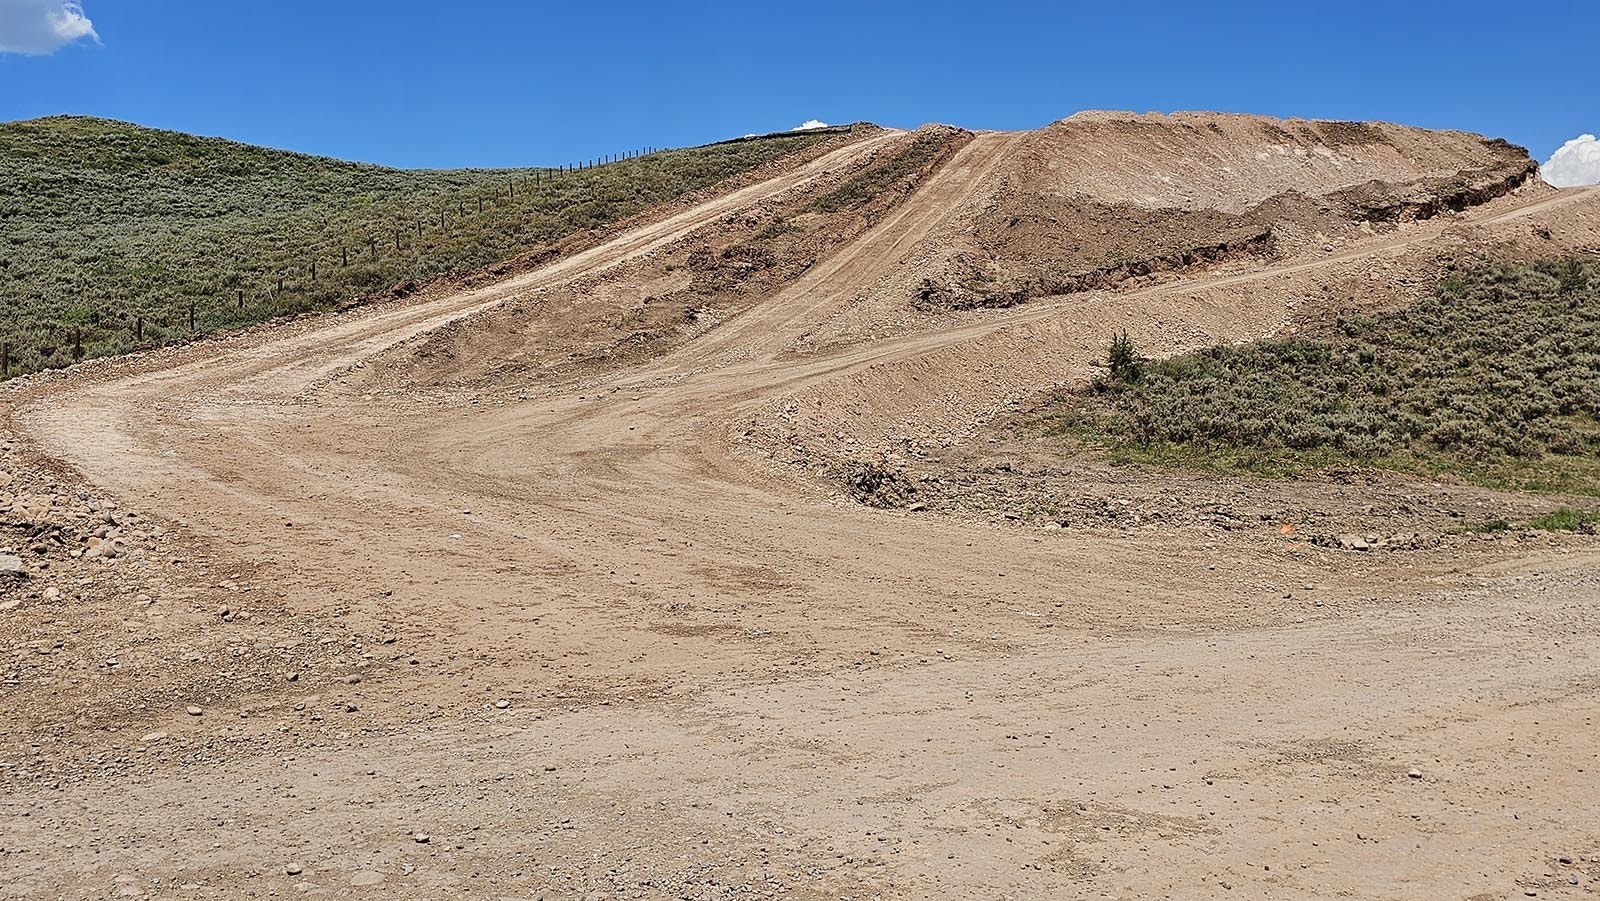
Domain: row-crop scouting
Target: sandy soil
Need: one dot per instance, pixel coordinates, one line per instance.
(619, 633)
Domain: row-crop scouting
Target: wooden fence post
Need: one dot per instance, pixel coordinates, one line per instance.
(138, 328)
(241, 298)
(5, 360)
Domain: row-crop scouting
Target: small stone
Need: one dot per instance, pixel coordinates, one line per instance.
(11, 566)
(366, 878)
(502, 704)
(1351, 542)
(1414, 773)
(293, 869)
(352, 679)
(422, 837)
(193, 710)
(154, 736)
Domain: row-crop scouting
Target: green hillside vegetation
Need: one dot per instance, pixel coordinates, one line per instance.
(1495, 379)
(111, 233)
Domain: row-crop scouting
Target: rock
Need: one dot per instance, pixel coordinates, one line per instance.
(917, 507)
(502, 704)
(293, 869)
(352, 679)
(154, 736)
(1414, 773)
(422, 837)
(366, 878)
(193, 710)
(1352, 542)
(11, 566)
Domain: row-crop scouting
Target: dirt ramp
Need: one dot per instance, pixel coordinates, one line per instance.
(629, 308)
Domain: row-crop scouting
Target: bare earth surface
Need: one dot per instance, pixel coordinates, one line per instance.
(619, 635)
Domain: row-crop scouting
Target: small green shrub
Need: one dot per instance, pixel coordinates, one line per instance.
(1124, 365)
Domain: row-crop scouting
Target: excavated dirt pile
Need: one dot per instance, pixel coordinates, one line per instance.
(1098, 199)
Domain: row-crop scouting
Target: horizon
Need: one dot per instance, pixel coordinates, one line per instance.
(492, 90)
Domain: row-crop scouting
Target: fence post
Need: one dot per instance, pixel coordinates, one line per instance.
(241, 298)
(191, 317)
(5, 360)
(138, 328)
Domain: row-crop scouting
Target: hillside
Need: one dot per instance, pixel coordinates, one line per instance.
(112, 232)
(798, 539)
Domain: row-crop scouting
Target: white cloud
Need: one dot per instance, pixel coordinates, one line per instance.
(37, 27)
(803, 126)
(1576, 163)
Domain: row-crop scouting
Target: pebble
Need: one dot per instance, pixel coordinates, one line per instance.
(1414, 773)
(193, 710)
(502, 704)
(422, 837)
(352, 679)
(154, 736)
(293, 869)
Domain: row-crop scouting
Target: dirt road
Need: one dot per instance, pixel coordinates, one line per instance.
(630, 654)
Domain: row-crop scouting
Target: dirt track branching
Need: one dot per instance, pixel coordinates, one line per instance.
(110, 234)
(1495, 379)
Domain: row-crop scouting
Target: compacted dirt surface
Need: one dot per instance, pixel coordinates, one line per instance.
(535, 591)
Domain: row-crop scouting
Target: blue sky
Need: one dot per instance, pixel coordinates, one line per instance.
(490, 82)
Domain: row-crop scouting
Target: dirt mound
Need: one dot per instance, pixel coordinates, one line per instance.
(1232, 162)
(1098, 199)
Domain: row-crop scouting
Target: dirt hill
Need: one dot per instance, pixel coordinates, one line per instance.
(739, 550)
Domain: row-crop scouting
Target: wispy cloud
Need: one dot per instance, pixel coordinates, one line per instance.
(1576, 163)
(810, 124)
(37, 27)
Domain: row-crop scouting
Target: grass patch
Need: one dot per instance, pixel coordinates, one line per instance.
(1565, 520)
(1495, 379)
(112, 231)
(924, 149)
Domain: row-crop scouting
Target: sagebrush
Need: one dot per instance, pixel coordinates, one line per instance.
(113, 232)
